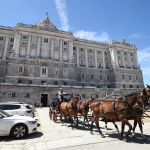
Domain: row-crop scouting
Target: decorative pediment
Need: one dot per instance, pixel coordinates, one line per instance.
(46, 24)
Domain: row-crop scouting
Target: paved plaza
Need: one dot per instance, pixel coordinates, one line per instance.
(52, 135)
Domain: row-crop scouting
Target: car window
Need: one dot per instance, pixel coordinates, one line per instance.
(11, 107)
(28, 107)
(2, 107)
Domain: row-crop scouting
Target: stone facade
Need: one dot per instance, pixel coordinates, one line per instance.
(41, 54)
(42, 95)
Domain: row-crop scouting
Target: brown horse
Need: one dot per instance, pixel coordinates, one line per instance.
(69, 109)
(115, 111)
(83, 108)
(144, 96)
(146, 104)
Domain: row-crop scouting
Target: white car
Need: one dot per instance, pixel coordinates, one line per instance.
(16, 126)
(17, 109)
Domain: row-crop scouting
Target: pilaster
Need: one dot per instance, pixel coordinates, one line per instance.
(86, 58)
(52, 49)
(17, 44)
(96, 59)
(70, 51)
(103, 55)
(60, 56)
(77, 56)
(6, 47)
(38, 47)
(28, 48)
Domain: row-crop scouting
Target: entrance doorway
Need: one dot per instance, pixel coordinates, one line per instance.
(44, 99)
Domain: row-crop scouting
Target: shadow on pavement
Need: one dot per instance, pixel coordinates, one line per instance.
(30, 136)
(137, 139)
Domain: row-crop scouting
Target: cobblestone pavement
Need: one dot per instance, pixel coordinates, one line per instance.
(52, 135)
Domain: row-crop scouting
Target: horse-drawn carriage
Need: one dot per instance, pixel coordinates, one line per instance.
(55, 104)
(120, 109)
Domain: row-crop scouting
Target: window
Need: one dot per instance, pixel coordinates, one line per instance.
(19, 81)
(130, 86)
(55, 83)
(136, 78)
(83, 76)
(96, 96)
(118, 52)
(65, 83)
(81, 49)
(65, 43)
(108, 77)
(13, 95)
(90, 51)
(74, 48)
(129, 77)
(44, 71)
(27, 95)
(24, 37)
(10, 107)
(123, 76)
(11, 39)
(30, 82)
(124, 86)
(20, 69)
(43, 82)
(57, 72)
(101, 77)
(65, 49)
(1, 38)
(45, 40)
(137, 86)
(92, 76)
(99, 52)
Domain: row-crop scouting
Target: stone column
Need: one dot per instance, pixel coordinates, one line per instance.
(6, 47)
(52, 49)
(115, 57)
(129, 60)
(60, 52)
(77, 56)
(28, 47)
(86, 58)
(136, 60)
(103, 55)
(70, 51)
(17, 44)
(38, 47)
(123, 61)
(96, 59)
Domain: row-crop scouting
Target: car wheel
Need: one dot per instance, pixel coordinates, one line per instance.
(19, 131)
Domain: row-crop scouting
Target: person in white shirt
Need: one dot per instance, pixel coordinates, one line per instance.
(61, 95)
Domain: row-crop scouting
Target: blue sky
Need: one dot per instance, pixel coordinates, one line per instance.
(101, 20)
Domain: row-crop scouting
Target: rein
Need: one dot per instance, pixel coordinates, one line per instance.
(147, 115)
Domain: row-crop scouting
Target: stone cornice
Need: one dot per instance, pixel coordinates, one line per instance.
(122, 46)
(90, 44)
(35, 30)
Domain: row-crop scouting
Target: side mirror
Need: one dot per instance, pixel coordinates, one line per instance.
(1, 117)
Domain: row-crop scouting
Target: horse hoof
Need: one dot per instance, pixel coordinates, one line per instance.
(125, 140)
(102, 136)
(91, 133)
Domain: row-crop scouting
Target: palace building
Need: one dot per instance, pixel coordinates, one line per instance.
(41, 54)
